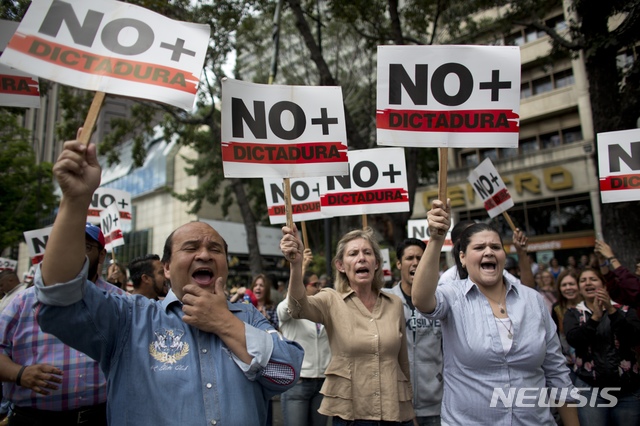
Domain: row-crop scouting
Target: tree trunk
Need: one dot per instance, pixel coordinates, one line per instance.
(255, 260)
(619, 220)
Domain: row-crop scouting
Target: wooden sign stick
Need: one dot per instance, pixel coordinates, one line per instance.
(92, 117)
(305, 239)
(509, 221)
(287, 208)
(364, 221)
(442, 176)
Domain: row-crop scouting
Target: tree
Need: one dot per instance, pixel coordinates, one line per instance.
(601, 32)
(26, 187)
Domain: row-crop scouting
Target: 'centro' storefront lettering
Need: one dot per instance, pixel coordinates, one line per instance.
(555, 178)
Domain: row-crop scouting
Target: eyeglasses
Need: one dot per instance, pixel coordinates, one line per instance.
(88, 247)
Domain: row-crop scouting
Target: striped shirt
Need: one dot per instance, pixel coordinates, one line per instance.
(83, 383)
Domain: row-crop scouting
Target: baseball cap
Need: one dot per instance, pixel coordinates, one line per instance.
(95, 234)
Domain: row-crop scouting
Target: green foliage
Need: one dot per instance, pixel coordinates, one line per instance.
(26, 189)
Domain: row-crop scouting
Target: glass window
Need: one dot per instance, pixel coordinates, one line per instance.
(516, 39)
(542, 85)
(529, 145)
(571, 135)
(490, 153)
(532, 35)
(508, 152)
(540, 219)
(469, 159)
(525, 90)
(564, 78)
(576, 215)
(550, 140)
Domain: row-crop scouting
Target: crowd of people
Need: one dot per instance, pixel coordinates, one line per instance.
(438, 348)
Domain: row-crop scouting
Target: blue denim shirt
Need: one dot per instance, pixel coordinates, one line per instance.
(162, 371)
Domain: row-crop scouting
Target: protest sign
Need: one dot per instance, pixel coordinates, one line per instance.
(110, 46)
(419, 228)
(282, 131)
(619, 165)
(8, 264)
(110, 226)
(386, 265)
(305, 199)
(36, 243)
(103, 198)
(448, 96)
(490, 187)
(376, 183)
(17, 88)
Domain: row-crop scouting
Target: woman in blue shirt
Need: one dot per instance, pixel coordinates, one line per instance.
(501, 350)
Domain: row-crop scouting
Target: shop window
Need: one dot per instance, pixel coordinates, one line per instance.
(540, 219)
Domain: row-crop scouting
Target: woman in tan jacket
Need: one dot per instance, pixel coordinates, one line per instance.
(368, 376)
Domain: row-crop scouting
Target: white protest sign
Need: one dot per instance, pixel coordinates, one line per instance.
(8, 264)
(103, 198)
(448, 96)
(376, 183)
(305, 199)
(36, 242)
(282, 131)
(419, 228)
(619, 165)
(110, 226)
(386, 265)
(490, 187)
(17, 88)
(29, 275)
(112, 47)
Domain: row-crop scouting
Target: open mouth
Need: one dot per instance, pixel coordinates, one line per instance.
(488, 266)
(412, 273)
(362, 270)
(203, 276)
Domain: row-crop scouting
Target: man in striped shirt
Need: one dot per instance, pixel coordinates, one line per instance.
(46, 381)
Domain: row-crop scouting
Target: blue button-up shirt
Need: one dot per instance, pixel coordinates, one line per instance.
(161, 370)
(476, 367)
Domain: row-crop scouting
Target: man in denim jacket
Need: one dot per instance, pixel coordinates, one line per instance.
(191, 359)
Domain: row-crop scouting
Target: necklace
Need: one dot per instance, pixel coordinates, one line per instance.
(510, 333)
(501, 306)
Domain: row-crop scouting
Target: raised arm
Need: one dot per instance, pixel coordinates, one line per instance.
(293, 249)
(78, 173)
(526, 275)
(426, 277)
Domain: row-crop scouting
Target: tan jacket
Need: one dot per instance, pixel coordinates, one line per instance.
(368, 376)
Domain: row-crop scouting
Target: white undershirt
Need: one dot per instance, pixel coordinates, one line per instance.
(503, 329)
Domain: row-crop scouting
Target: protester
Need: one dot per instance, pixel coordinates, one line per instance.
(568, 297)
(519, 241)
(10, 285)
(46, 381)
(261, 288)
(147, 277)
(367, 380)
(424, 339)
(555, 269)
(189, 359)
(622, 285)
(117, 275)
(547, 289)
(300, 404)
(604, 335)
(497, 334)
